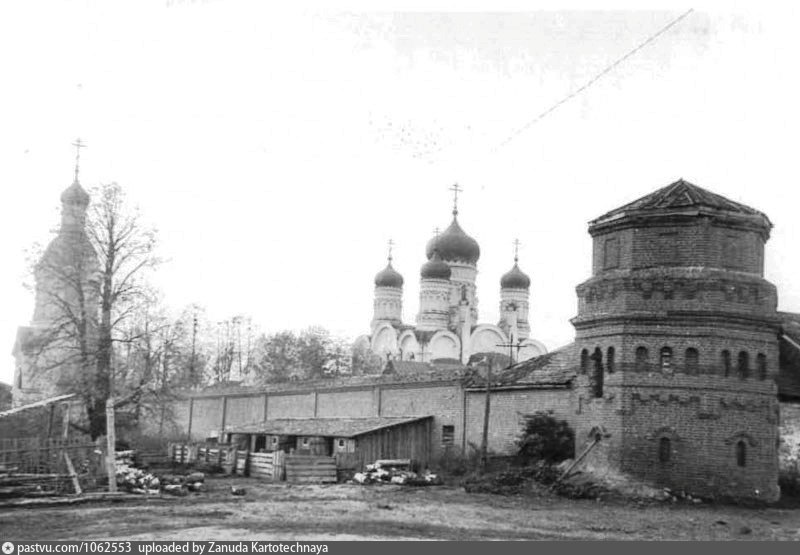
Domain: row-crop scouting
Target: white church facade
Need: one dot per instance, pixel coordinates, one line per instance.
(447, 326)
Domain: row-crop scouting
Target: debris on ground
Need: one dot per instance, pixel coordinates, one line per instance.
(136, 480)
(395, 471)
(236, 490)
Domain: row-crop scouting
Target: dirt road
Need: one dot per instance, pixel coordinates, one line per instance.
(345, 512)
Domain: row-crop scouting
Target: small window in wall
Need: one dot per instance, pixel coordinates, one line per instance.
(642, 359)
(597, 373)
(664, 449)
(341, 443)
(274, 440)
(448, 435)
(611, 253)
(305, 441)
(731, 252)
(19, 378)
(726, 363)
(667, 249)
(743, 368)
(741, 453)
(584, 361)
(610, 360)
(692, 361)
(761, 364)
(665, 362)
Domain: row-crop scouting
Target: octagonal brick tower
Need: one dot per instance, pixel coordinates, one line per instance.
(677, 348)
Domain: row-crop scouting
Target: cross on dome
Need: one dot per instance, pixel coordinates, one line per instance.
(78, 144)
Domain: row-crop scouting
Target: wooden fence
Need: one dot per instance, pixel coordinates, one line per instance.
(310, 469)
(274, 465)
(269, 466)
(46, 456)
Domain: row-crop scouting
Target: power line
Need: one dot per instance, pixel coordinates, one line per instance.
(594, 79)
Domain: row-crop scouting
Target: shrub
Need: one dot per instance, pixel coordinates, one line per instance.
(545, 439)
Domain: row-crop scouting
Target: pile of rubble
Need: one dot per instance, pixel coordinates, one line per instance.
(135, 480)
(395, 472)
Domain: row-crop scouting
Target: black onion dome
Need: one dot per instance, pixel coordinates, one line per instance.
(515, 279)
(75, 194)
(388, 277)
(435, 268)
(455, 245)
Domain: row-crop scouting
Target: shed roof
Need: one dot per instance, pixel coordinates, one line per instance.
(37, 404)
(326, 427)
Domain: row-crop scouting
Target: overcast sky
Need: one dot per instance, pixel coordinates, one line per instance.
(276, 152)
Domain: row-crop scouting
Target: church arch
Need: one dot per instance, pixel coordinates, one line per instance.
(384, 340)
(530, 348)
(445, 344)
(409, 346)
(486, 338)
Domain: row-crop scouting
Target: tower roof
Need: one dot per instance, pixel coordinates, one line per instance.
(435, 268)
(454, 245)
(388, 277)
(515, 279)
(679, 197)
(75, 194)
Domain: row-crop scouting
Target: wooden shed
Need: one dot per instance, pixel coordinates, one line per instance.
(354, 442)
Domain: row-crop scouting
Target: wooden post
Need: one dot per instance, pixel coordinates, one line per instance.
(485, 439)
(64, 438)
(278, 461)
(111, 446)
(191, 415)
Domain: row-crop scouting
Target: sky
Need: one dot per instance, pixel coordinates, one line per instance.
(277, 151)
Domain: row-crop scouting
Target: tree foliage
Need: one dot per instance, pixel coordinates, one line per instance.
(545, 438)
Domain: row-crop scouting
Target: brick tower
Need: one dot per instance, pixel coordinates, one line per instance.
(676, 341)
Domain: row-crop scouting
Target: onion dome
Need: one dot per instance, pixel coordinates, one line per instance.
(75, 194)
(389, 277)
(435, 268)
(515, 278)
(454, 245)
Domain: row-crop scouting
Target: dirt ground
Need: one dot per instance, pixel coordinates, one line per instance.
(388, 512)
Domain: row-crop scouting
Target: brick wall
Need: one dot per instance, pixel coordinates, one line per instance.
(346, 404)
(444, 402)
(289, 405)
(507, 411)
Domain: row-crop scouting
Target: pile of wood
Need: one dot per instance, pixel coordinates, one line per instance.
(140, 481)
(15, 484)
(394, 471)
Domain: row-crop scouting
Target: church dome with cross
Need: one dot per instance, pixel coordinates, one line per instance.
(447, 324)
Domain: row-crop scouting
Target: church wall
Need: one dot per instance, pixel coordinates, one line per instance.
(507, 411)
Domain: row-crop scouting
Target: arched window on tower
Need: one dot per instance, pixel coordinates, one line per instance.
(665, 361)
(692, 359)
(610, 360)
(642, 359)
(597, 373)
(743, 368)
(726, 363)
(761, 364)
(664, 449)
(741, 453)
(584, 361)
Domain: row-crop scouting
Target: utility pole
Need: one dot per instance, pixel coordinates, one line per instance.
(194, 346)
(487, 407)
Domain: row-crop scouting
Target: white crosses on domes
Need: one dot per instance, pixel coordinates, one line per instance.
(456, 189)
(78, 146)
(516, 250)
